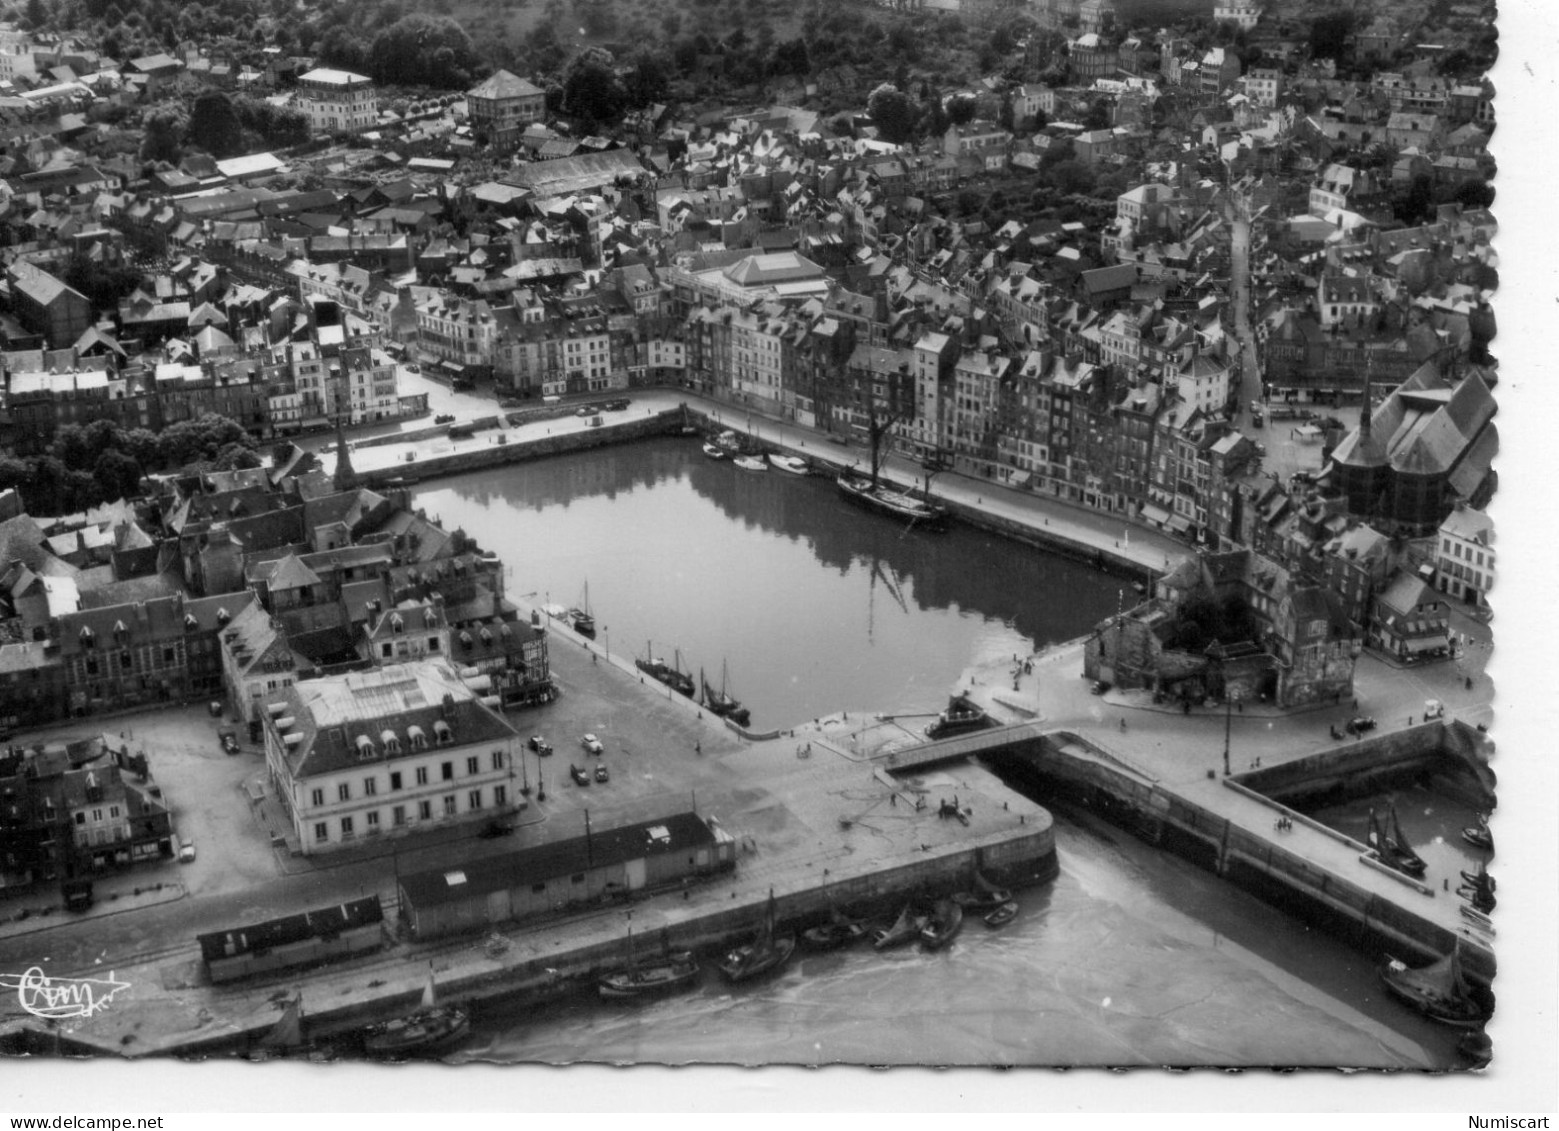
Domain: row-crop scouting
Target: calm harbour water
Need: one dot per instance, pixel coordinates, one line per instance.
(1130, 957)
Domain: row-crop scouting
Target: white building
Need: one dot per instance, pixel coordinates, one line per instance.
(338, 101)
(395, 750)
(1464, 564)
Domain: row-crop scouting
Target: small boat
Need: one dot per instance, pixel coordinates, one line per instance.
(1439, 991)
(751, 463)
(895, 504)
(1476, 1049)
(1003, 915)
(905, 929)
(285, 1038)
(943, 926)
(1478, 889)
(722, 702)
(714, 450)
(793, 464)
(764, 955)
(429, 1029)
(1479, 835)
(983, 895)
(584, 622)
(1391, 847)
(655, 976)
(962, 716)
(840, 930)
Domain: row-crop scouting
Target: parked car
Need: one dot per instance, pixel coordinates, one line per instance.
(585, 410)
(444, 418)
(578, 774)
(540, 745)
(601, 774)
(186, 850)
(1360, 724)
(619, 405)
(591, 743)
(1099, 687)
(229, 742)
(413, 367)
(495, 829)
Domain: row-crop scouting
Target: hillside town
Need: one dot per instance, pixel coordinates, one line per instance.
(1242, 306)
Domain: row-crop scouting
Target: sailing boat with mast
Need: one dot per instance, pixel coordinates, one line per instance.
(656, 976)
(1391, 847)
(722, 702)
(1439, 991)
(672, 677)
(428, 1029)
(763, 955)
(285, 1038)
(584, 622)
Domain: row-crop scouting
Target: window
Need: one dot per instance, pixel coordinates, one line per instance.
(449, 805)
(398, 815)
(344, 792)
(370, 786)
(113, 810)
(395, 781)
(447, 771)
(346, 827)
(497, 759)
(387, 649)
(500, 795)
(425, 810)
(472, 765)
(321, 832)
(373, 820)
(81, 817)
(422, 775)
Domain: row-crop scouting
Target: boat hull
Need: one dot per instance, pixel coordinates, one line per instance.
(748, 963)
(419, 1034)
(649, 980)
(1003, 915)
(943, 927)
(892, 504)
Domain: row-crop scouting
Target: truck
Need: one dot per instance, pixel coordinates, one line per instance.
(77, 894)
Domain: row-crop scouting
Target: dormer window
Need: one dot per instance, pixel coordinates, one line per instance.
(88, 638)
(190, 623)
(441, 733)
(392, 742)
(223, 616)
(419, 741)
(397, 625)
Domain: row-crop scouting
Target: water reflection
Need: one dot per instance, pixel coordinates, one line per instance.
(816, 605)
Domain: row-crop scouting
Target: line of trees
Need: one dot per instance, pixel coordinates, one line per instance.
(90, 464)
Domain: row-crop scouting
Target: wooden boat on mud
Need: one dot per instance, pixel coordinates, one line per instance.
(947, 919)
(1391, 847)
(905, 930)
(982, 896)
(1439, 991)
(721, 702)
(669, 674)
(893, 503)
(764, 955)
(839, 931)
(1003, 915)
(961, 716)
(430, 1029)
(649, 977)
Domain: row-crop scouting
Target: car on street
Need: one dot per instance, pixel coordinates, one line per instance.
(579, 774)
(540, 745)
(619, 405)
(186, 850)
(591, 743)
(601, 774)
(494, 829)
(1099, 687)
(1360, 724)
(444, 418)
(229, 742)
(413, 367)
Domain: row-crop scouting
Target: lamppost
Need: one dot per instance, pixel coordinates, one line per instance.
(1229, 697)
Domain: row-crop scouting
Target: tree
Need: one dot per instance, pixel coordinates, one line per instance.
(1071, 176)
(412, 51)
(591, 88)
(1329, 35)
(118, 476)
(961, 109)
(1474, 194)
(214, 125)
(892, 113)
(37, 14)
(791, 58)
(164, 135)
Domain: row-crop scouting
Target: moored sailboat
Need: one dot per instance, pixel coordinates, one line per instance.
(644, 978)
(947, 919)
(428, 1029)
(764, 955)
(895, 504)
(1391, 847)
(905, 929)
(1439, 991)
(671, 675)
(722, 702)
(580, 615)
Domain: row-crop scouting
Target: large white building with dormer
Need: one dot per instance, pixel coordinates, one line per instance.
(337, 101)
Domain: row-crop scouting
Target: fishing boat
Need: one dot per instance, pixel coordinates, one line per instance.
(714, 450)
(905, 929)
(961, 717)
(751, 463)
(1003, 915)
(1478, 889)
(722, 702)
(1479, 835)
(429, 1029)
(1391, 847)
(764, 955)
(672, 676)
(947, 919)
(983, 895)
(655, 976)
(894, 504)
(793, 464)
(840, 930)
(285, 1038)
(584, 622)
(1439, 991)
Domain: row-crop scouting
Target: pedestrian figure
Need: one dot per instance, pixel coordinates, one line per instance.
(893, 800)
(1123, 722)
(698, 748)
